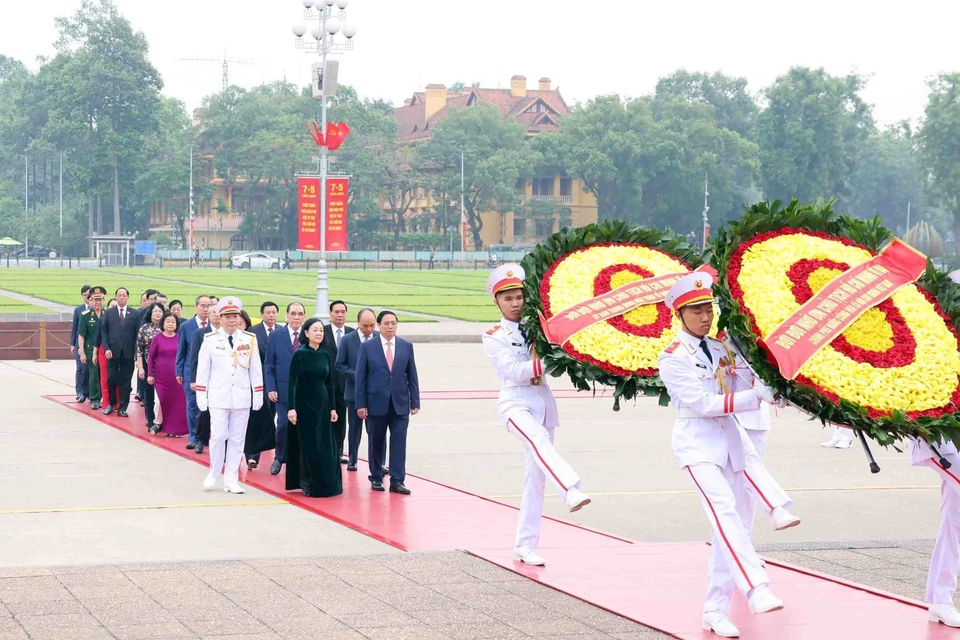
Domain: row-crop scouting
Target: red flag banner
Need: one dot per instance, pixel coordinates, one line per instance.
(562, 326)
(838, 305)
(337, 191)
(308, 214)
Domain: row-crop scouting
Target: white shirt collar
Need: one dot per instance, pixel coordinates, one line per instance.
(383, 341)
(292, 331)
(200, 322)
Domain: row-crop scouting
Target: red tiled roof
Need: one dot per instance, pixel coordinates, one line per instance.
(413, 116)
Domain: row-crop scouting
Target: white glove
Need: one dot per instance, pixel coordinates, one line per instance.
(767, 394)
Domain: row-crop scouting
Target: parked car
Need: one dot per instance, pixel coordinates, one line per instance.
(256, 261)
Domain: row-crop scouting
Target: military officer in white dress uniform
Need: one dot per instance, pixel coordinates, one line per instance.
(704, 381)
(945, 562)
(528, 410)
(229, 383)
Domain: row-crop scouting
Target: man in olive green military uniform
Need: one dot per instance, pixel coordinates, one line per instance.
(86, 343)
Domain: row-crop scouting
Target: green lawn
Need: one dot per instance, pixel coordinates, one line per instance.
(11, 305)
(450, 294)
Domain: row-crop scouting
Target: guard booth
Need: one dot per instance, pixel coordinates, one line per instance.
(113, 251)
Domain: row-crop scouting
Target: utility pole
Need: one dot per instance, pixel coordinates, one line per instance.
(908, 219)
(706, 208)
(463, 216)
(61, 194)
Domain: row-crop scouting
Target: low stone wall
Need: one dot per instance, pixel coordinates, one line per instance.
(23, 340)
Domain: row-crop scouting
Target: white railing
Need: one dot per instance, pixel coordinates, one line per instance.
(557, 199)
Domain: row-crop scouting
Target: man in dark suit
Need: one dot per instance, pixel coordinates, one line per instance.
(119, 337)
(333, 335)
(80, 377)
(280, 350)
(346, 365)
(387, 394)
(266, 327)
(201, 320)
(193, 357)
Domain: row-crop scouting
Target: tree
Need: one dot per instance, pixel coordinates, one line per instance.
(606, 143)
(811, 135)
(107, 84)
(734, 108)
(889, 176)
(495, 154)
(939, 150)
(164, 177)
(700, 149)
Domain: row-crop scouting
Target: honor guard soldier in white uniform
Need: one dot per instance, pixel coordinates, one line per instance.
(529, 411)
(702, 378)
(229, 382)
(945, 562)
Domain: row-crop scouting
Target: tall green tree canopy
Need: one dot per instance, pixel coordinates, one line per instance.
(811, 135)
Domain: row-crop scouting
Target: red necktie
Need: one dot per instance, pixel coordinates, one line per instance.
(203, 324)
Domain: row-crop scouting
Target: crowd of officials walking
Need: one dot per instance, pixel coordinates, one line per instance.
(302, 389)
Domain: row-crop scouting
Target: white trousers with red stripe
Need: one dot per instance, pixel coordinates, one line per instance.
(756, 488)
(733, 559)
(945, 562)
(542, 462)
(227, 425)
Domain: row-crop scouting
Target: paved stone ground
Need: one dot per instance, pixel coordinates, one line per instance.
(895, 566)
(417, 596)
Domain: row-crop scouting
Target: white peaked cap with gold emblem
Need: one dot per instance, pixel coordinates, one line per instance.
(693, 288)
(504, 277)
(230, 304)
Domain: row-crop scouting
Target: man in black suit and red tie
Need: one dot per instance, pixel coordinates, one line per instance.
(119, 339)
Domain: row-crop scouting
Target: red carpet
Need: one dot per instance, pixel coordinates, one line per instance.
(659, 585)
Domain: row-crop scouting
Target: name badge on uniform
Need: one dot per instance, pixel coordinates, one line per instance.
(517, 344)
(220, 347)
(702, 366)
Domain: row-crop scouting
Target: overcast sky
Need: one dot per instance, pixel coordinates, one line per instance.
(587, 48)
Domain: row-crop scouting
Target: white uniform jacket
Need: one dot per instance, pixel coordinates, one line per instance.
(920, 451)
(517, 366)
(749, 420)
(229, 378)
(706, 395)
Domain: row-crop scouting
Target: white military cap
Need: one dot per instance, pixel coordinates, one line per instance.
(693, 288)
(230, 304)
(504, 277)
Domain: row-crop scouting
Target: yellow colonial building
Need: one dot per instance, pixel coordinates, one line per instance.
(538, 110)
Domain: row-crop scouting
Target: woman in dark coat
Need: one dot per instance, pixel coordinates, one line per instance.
(261, 429)
(313, 455)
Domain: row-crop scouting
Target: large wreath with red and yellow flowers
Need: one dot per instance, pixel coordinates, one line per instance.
(575, 266)
(893, 372)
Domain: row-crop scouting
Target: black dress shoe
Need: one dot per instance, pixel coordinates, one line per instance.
(275, 467)
(343, 460)
(377, 485)
(108, 410)
(191, 445)
(82, 399)
(122, 413)
(351, 467)
(198, 448)
(94, 406)
(399, 487)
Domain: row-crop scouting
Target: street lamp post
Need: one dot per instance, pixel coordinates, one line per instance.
(328, 25)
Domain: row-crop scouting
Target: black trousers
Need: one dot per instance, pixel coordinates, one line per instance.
(356, 433)
(340, 426)
(119, 381)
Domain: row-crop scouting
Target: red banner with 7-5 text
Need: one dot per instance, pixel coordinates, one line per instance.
(337, 191)
(308, 214)
(838, 305)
